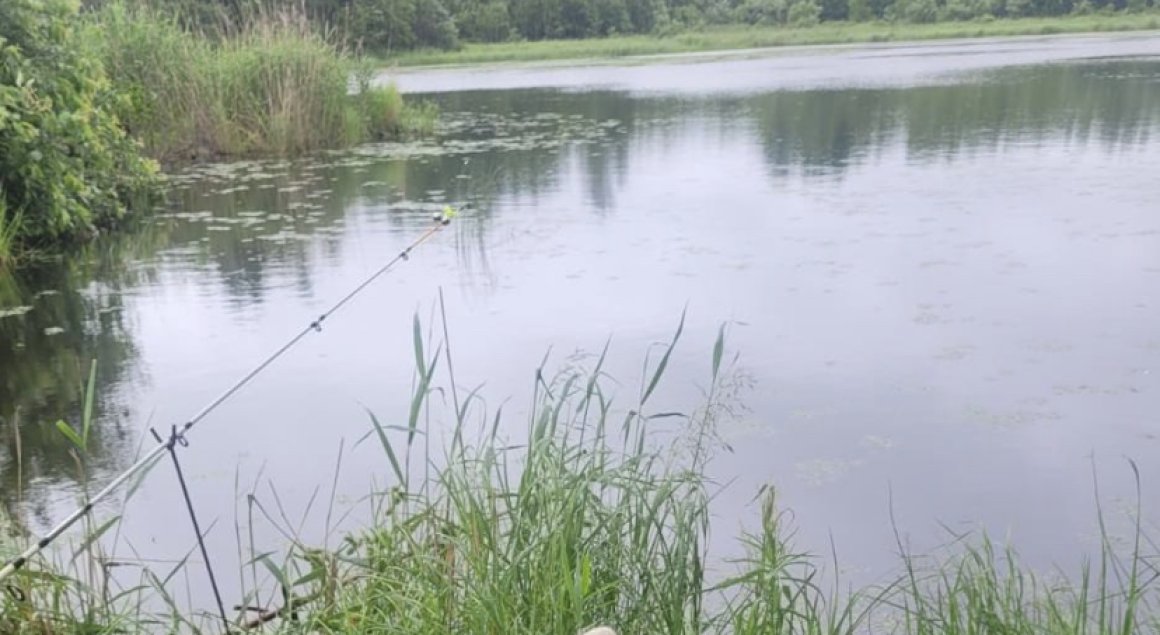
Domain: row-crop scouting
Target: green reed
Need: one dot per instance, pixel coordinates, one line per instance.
(593, 511)
(276, 85)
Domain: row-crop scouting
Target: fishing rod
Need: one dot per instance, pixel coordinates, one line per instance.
(442, 219)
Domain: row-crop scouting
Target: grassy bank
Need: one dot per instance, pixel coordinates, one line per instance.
(89, 101)
(746, 37)
(598, 513)
(274, 85)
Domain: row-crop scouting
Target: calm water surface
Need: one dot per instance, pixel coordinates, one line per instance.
(940, 265)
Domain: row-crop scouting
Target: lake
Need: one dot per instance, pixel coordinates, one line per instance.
(939, 265)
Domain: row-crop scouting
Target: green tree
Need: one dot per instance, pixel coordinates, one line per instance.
(835, 10)
(804, 13)
(388, 25)
(610, 17)
(881, 8)
(917, 11)
(485, 22)
(536, 19)
(766, 12)
(860, 11)
(646, 16)
(962, 10)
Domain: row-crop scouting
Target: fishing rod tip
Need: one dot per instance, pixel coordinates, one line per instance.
(445, 216)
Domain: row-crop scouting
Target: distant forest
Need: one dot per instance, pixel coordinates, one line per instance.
(394, 25)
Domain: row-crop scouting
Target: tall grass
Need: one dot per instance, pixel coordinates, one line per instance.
(597, 512)
(596, 515)
(70, 590)
(275, 85)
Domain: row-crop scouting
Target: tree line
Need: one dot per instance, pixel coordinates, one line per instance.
(393, 25)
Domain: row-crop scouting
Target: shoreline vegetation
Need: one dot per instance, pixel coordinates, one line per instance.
(272, 85)
(94, 100)
(598, 512)
(733, 38)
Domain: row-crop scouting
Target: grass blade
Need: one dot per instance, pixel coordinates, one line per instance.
(94, 536)
(70, 434)
(660, 371)
(387, 447)
(90, 391)
(718, 351)
(420, 362)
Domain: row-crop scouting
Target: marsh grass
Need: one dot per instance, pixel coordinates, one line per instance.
(594, 511)
(275, 85)
(725, 38)
(599, 514)
(69, 589)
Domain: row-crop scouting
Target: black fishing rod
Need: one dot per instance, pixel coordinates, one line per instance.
(441, 220)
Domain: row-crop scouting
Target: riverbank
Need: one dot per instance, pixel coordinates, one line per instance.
(732, 38)
(597, 514)
(136, 89)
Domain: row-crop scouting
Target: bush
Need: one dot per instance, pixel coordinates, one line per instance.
(914, 11)
(67, 167)
(804, 13)
(962, 10)
(860, 11)
(762, 12)
(1017, 8)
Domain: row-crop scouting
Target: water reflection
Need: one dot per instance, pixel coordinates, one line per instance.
(71, 312)
(239, 237)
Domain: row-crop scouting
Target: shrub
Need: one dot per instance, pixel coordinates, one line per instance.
(67, 167)
(765, 12)
(860, 11)
(804, 13)
(963, 10)
(915, 11)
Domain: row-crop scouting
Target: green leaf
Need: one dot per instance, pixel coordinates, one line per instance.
(418, 334)
(419, 397)
(585, 574)
(387, 447)
(660, 371)
(70, 434)
(93, 537)
(276, 571)
(90, 393)
(718, 351)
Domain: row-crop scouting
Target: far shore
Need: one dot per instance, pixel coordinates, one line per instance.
(742, 41)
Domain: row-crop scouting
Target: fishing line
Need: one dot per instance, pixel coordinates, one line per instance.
(441, 220)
